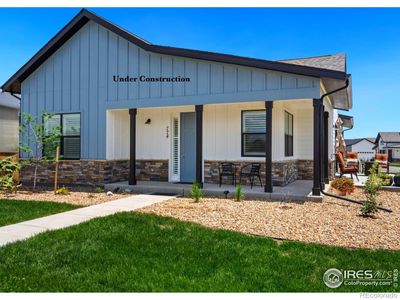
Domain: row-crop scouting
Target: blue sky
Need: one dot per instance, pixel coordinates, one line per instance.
(369, 37)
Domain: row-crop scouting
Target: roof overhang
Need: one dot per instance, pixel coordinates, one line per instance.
(331, 78)
(9, 100)
(348, 121)
(343, 99)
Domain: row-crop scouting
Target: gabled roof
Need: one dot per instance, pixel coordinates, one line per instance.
(350, 142)
(9, 100)
(388, 137)
(335, 62)
(14, 83)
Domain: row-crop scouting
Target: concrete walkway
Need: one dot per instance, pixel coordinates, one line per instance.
(27, 229)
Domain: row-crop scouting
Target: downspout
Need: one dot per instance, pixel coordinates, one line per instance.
(322, 190)
(15, 96)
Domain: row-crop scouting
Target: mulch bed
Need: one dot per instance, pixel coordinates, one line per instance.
(83, 196)
(330, 222)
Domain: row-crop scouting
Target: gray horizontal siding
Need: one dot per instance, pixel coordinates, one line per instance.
(78, 78)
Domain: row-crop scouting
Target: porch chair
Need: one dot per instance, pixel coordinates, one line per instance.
(382, 160)
(227, 169)
(343, 169)
(352, 159)
(251, 171)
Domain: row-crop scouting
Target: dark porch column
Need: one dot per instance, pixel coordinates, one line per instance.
(132, 147)
(199, 144)
(326, 143)
(268, 146)
(316, 190)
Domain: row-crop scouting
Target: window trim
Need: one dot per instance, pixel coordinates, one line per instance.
(243, 133)
(69, 136)
(284, 133)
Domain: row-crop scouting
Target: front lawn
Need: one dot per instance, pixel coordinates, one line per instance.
(144, 252)
(15, 211)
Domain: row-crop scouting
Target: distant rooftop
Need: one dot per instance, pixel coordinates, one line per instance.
(350, 142)
(335, 62)
(392, 137)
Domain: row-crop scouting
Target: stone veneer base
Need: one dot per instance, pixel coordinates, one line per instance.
(99, 172)
(94, 172)
(283, 172)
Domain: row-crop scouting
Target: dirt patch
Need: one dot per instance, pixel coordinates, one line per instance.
(331, 222)
(77, 196)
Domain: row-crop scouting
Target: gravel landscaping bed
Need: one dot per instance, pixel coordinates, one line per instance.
(331, 222)
(80, 196)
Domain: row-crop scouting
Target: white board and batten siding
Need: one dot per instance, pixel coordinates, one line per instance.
(221, 132)
(78, 78)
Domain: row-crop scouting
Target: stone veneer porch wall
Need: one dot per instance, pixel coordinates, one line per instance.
(99, 172)
(94, 172)
(283, 172)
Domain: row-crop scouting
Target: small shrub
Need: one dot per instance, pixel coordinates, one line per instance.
(369, 208)
(386, 179)
(239, 194)
(372, 186)
(344, 185)
(8, 169)
(63, 191)
(196, 192)
(99, 189)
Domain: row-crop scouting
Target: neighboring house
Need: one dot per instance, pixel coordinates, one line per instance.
(9, 122)
(131, 110)
(364, 147)
(389, 142)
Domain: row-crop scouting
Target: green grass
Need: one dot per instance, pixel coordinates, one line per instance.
(138, 252)
(14, 211)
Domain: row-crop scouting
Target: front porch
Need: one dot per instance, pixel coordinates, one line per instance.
(183, 144)
(298, 190)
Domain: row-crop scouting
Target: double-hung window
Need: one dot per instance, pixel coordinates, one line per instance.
(253, 133)
(288, 134)
(70, 138)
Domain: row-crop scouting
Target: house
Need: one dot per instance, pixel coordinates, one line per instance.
(9, 123)
(364, 146)
(132, 110)
(389, 142)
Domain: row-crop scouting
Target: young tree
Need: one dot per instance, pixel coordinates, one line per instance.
(39, 139)
(372, 186)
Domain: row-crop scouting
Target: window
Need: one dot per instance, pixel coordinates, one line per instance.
(70, 139)
(288, 134)
(253, 133)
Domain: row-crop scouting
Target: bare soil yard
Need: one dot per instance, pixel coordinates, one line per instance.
(331, 222)
(77, 196)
